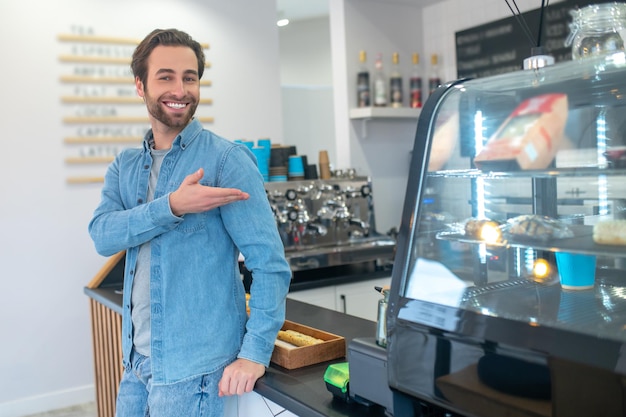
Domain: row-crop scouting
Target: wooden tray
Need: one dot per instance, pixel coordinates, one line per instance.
(293, 357)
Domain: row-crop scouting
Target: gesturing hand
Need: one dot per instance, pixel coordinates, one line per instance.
(193, 197)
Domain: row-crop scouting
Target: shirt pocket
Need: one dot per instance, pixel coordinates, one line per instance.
(192, 223)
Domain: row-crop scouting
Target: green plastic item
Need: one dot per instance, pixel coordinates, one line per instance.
(338, 376)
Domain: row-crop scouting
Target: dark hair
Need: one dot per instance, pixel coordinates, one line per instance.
(167, 37)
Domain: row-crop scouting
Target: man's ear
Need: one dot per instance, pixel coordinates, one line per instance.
(139, 87)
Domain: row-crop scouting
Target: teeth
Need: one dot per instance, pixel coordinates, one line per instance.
(176, 105)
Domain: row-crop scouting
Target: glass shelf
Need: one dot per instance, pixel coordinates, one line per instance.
(551, 173)
(581, 243)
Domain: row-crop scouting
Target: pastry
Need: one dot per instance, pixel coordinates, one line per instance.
(297, 338)
(610, 232)
(481, 228)
(538, 228)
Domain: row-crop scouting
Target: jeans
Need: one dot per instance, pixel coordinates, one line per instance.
(196, 397)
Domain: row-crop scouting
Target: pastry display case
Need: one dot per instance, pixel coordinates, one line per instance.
(508, 293)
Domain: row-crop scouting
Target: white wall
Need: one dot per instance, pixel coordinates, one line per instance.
(305, 52)
(46, 254)
(306, 84)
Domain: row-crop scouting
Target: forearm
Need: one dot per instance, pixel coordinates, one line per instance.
(114, 228)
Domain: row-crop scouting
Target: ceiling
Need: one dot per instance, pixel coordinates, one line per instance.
(307, 9)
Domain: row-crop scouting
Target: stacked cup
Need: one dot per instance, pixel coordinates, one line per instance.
(266, 145)
(324, 165)
(279, 162)
(295, 171)
(262, 161)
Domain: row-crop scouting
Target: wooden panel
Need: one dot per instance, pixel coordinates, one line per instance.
(110, 80)
(84, 180)
(106, 269)
(69, 37)
(107, 349)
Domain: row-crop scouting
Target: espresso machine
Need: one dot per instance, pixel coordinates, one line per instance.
(328, 229)
(326, 223)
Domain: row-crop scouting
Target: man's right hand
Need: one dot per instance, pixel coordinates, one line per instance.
(193, 197)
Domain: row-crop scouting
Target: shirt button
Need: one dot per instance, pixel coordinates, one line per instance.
(146, 166)
(140, 200)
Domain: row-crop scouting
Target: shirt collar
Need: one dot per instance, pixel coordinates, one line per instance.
(183, 139)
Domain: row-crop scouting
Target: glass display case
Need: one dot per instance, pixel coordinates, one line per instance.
(509, 284)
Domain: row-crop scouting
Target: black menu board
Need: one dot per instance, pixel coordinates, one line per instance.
(501, 46)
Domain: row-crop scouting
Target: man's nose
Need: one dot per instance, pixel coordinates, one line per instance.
(178, 88)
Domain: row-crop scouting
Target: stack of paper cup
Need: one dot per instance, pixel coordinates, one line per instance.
(266, 144)
(324, 165)
(296, 168)
(262, 161)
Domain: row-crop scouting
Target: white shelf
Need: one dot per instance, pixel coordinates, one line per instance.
(367, 114)
(384, 112)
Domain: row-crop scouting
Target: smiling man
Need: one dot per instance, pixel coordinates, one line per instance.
(183, 206)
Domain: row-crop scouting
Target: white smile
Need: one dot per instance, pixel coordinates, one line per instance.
(176, 105)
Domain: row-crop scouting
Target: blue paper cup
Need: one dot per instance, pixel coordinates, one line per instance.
(296, 167)
(576, 271)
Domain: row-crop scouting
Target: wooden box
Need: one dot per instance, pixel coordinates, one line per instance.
(293, 357)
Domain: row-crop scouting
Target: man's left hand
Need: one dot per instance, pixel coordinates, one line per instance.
(239, 377)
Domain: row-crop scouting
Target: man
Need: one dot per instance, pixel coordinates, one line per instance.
(183, 207)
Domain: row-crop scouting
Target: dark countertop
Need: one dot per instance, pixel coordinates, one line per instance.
(301, 391)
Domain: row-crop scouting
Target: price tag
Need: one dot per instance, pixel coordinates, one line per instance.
(429, 314)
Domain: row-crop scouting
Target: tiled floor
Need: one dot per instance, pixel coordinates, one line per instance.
(84, 410)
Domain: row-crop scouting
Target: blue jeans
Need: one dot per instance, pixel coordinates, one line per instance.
(196, 397)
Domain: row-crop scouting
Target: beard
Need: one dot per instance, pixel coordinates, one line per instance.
(173, 121)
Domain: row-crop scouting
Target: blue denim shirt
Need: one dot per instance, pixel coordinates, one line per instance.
(198, 312)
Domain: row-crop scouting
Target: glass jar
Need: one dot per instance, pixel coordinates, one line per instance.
(599, 29)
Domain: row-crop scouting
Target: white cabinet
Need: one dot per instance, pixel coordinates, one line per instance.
(357, 299)
(322, 296)
(360, 298)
